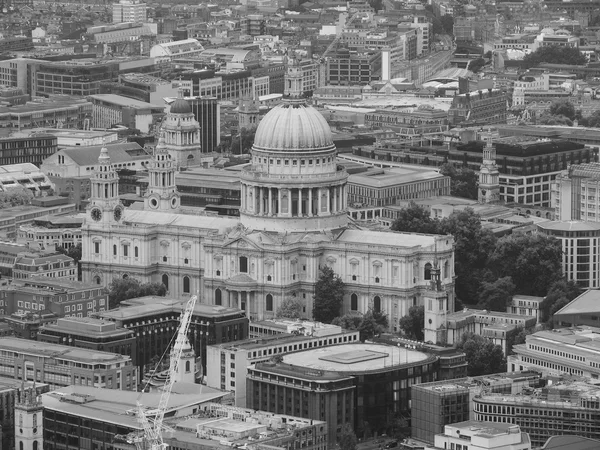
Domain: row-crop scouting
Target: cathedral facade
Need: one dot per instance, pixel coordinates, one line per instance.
(293, 220)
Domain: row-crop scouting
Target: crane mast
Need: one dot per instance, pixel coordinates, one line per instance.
(152, 439)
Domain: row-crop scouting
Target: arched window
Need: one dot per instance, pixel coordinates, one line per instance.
(428, 271)
(446, 269)
(136, 252)
(186, 285)
(165, 280)
(218, 297)
(269, 306)
(115, 250)
(35, 445)
(377, 304)
(21, 445)
(243, 264)
(354, 302)
(187, 366)
(97, 279)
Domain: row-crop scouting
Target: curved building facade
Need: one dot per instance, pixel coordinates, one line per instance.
(365, 385)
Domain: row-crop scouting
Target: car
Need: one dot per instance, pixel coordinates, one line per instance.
(391, 444)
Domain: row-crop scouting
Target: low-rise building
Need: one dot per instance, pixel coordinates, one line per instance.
(60, 365)
(52, 231)
(24, 175)
(168, 51)
(111, 109)
(227, 363)
(526, 305)
(26, 151)
(478, 108)
(583, 310)
(14, 217)
(44, 263)
(475, 435)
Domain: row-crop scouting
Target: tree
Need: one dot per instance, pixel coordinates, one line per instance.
(555, 55)
(372, 324)
(476, 65)
(123, 289)
(549, 119)
(329, 295)
(483, 356)
(348, 440)
(463, 181)
(15, 196)
(291, 308)
(447, 23)
(560, 293)
(473, 244)
(517, 338)
(75, 253)
(496, 295)
(563, 108)
(415, 219)
(413, 323)
(592, 121)
(534, 262)
(350, 321)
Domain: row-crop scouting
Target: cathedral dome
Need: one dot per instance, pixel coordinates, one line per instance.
(292, 127)
(180, 106)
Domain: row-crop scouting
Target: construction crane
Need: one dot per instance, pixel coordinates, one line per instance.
(336, 39)
(152, 436)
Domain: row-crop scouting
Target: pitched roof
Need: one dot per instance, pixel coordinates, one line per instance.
(88, 156)
(588, 302)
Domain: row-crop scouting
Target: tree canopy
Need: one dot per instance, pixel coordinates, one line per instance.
(592, 121)
(123, 289)
(413, 323)
(549, 119)
(291, 308)
(563, 108)
(560, 293)
(15, 196)
(370, 324)
(463, 181)
(75, 253)
(348, 439)
(483, 356)
(554, 54)
(415, 219)
(496, 295)
(329, 295)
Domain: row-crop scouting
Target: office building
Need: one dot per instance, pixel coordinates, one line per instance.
(478, 108)
(526, 306)
(437, 404)
(129, 11)
(111, 109)
(155, 319)
(60, 365)
(409, 122)
(207, 112)
(474, 435)
(14, 217)
(384, 187)
(30, 151)
(52, 231)
(560, 351)
(24, 175)
(44, 263)
(580, 246)
(59, 111)
(565, 407)
(55, 296)
(346, 67)
(355, 384)
(183, 49)
(90, 333)
(142, 87)
(575, 193)
(227, 363)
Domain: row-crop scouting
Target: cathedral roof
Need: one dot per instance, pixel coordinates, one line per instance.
(292, 127)
(180, 106)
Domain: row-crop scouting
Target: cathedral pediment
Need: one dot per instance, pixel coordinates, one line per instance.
(241, 242)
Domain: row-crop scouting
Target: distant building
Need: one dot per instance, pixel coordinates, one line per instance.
(187, 48)
(526, 305)
(140, 86)
(129, 11)
(44, 263)
(110, 109)
(478, 108)
(24, 175)
(58, 111)
(59, 365)
(475, 435)
(227, 363)
(52, 231)
(368, 68)
(14, 217)
(575, 193)
(26, 150)
(563, 407)
(207, 111)
(582, 311)
(437, 404)
(571, 351)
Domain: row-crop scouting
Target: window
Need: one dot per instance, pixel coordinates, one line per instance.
(243, 264)
(186, 285)
(135, 251)
(115, 250)
(96, 247)
(165, 281)
(428, 271)
(125, 250)
(377, 304)
(269, 302)
(218, 299)
(354, 302)
(187, 366)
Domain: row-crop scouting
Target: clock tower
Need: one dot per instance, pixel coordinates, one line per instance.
(28, 419)
(162, 192)
(489, 176)
(105, 205)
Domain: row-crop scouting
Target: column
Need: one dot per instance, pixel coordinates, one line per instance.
(310, 205)
(270, 201)
(319, 202)
(335, 196)
(299, 202)
(329, 200)
(278, 201)
(228, 298)
(256, 201)
(261, 204)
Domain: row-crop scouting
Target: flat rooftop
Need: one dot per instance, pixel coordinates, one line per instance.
(385, 178)
(354, 358)
(124, 101)
(48, 350)
(106, 405)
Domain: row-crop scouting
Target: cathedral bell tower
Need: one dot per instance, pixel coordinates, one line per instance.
(28, 419)
(162, 192)
(489, 176)
(436, 308)
(105, 205)
(248, 113)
